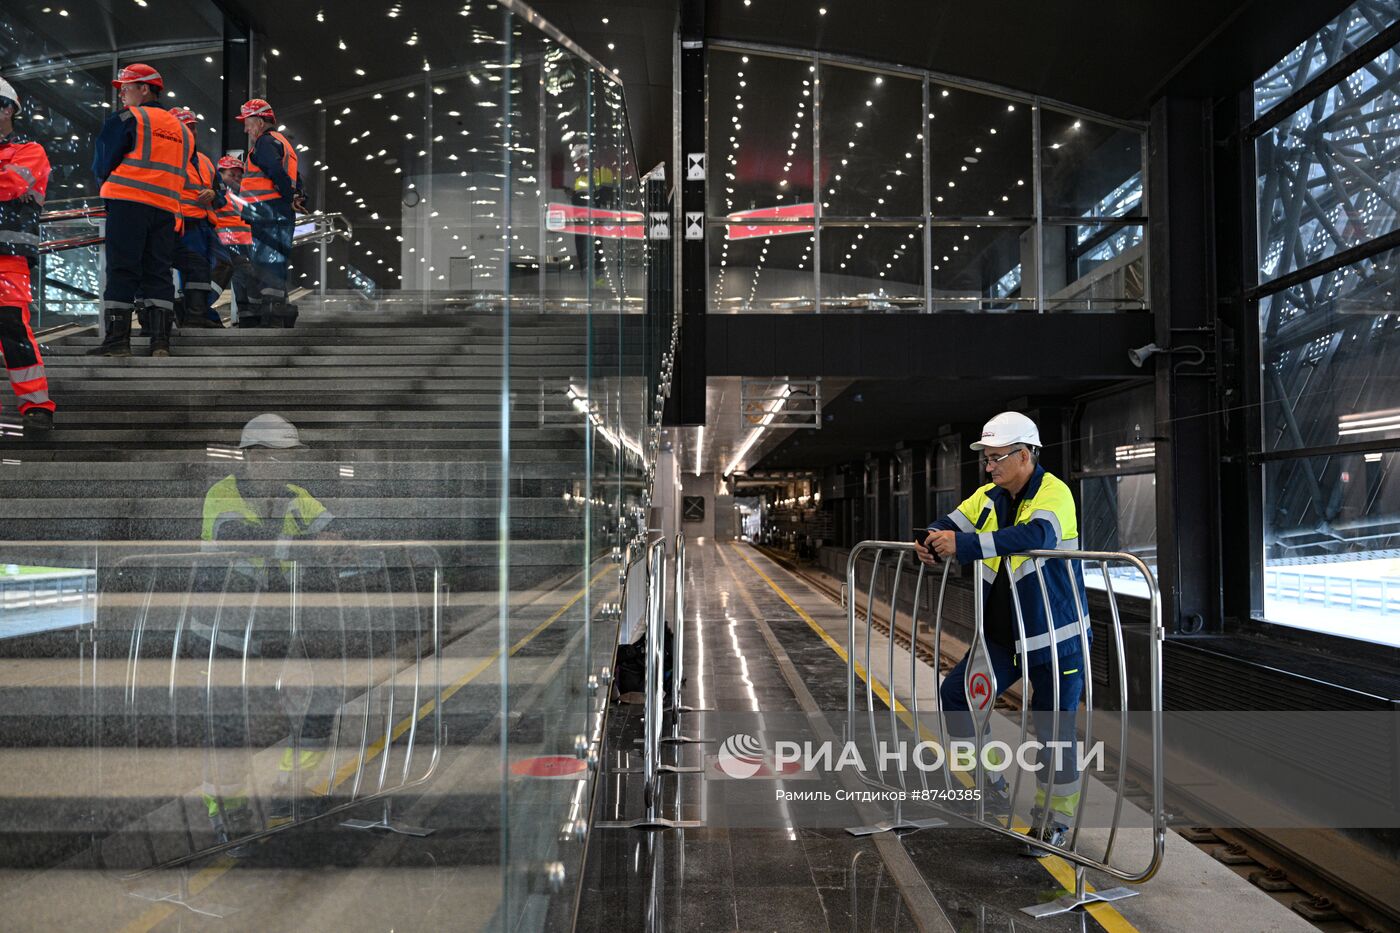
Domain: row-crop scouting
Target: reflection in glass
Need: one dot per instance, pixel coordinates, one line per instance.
(872, 268)
(1094, 266)
(982, 267)
(760, 136)
(771, 272)
(1089, 169)
(1331, 526)
(872, 144)
(980, 155)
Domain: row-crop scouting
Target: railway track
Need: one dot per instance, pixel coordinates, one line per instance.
(1275, 867)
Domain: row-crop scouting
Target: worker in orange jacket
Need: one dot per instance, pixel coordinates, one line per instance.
(272, 188)
(195, 251)
(234, 234)
(140, 158)
(24, 180)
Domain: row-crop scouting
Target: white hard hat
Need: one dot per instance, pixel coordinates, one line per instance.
(1007, 429)
(7, 90)
(269, 430)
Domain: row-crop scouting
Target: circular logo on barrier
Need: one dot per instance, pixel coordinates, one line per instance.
(741, 756)
(980, 688)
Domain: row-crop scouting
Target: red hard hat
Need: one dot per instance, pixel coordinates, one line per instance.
(139, 74)
(230, 162)
(184, 115)
(257, 107)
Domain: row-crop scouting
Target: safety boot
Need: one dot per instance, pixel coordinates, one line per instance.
(118, 339)
(161, 319)
(1055, 833)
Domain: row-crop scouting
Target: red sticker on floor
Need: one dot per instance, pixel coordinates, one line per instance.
(549, 766)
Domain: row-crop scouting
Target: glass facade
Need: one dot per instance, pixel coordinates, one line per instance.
(1327, 191)
(402, 622)
(842, 187)
(1118, 483)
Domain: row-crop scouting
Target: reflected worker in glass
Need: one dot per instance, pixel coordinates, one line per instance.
(1023, 508)
(594, 190)
(24, 180)
(256, 518)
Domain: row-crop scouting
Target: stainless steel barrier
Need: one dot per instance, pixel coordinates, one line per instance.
(318, 665)
(676, 707)
(981, 689)
(653, 704)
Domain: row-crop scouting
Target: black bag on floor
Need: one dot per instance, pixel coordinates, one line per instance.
(630, 668)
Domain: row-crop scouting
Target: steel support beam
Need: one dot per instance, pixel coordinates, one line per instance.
(1180, 197)
(688, 383)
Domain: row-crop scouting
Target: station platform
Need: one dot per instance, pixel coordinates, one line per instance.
(761, 639)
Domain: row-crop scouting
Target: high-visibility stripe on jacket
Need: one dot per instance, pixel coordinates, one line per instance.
(229, 223)
(1045, 519)
(199, 175)
(257, 186)
(228, 516)
(155, 170)
(24, 180)
(602, 177)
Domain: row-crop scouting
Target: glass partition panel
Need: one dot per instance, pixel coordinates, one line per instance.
(980, 155)
(1089, 169)
(872, 268)
(760, 137)
(761, 268)
(1095, 266)
(362, 590)
(871, 144)
(983, 267)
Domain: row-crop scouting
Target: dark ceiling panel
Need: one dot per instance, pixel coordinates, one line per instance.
(1108, 57)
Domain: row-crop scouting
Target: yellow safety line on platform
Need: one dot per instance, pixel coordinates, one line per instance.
(1105, 914)
(211, 873)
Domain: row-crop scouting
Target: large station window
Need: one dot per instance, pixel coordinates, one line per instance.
(838, 186)
(1328, 199)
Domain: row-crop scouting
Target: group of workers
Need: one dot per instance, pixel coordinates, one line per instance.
(169, 209)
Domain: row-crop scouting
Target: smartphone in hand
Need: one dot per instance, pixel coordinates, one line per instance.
(921, 539)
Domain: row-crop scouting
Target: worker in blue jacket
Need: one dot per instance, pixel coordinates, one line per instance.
(1023, 508)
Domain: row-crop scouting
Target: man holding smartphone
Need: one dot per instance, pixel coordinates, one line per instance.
(1023, 508)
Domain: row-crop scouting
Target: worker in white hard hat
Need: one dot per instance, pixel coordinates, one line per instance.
(1022, 509)
(257, 510)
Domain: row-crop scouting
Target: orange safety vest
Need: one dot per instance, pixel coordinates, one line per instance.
(257, 186)
(154, 172)
(229, 225)
(199, 176)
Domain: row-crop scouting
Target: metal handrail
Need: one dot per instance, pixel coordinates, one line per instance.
(380, 739)
(328, 227)
(977, 655)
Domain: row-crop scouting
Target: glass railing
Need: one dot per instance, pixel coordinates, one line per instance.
(271, 655)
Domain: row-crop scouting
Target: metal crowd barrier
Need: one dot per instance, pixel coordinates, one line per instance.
(226, 657)
(981, 689)
(654, 710)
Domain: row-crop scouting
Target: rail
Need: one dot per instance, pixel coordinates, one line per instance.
(310, 228)
(980, 688)
(329, 659)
